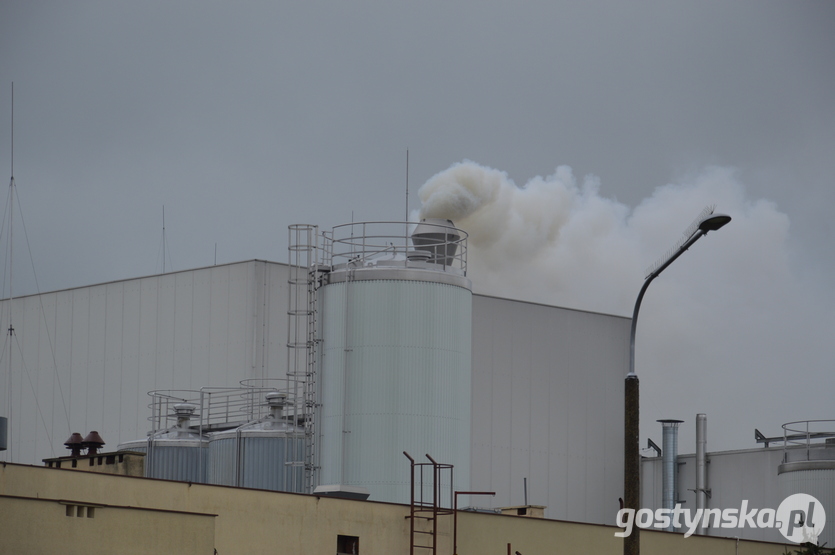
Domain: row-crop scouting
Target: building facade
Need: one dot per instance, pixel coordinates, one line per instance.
(48, 510)
(545, 393)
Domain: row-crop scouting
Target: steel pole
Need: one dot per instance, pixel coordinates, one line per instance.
(631, 439)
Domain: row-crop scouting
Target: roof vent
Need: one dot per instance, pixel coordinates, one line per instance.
(93, 442)
(74, 444)
(438, 238)
(276, 401)
(184, 412)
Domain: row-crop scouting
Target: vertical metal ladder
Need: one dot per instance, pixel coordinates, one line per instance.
(303, 281)
(424, 513)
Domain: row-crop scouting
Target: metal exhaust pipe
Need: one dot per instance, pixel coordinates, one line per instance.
(669, 462)
(701, 466)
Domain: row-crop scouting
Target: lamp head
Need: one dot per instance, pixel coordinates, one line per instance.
(714, 222)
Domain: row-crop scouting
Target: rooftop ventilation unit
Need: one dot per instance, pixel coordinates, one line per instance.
(438, 239)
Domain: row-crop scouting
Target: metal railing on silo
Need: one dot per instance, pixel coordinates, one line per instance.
(809, 440)
(437, 243)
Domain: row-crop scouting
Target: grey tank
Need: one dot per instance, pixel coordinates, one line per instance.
(178, 453)
(265, 454)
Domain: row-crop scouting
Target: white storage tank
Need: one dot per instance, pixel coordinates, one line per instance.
(178, 453)
(265, 454)
(809, 466)
(395, 357)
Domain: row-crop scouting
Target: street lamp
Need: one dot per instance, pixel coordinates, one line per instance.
(707, 221)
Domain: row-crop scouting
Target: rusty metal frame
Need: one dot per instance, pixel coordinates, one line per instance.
(435, 506)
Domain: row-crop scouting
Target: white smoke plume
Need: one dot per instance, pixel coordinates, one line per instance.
(730, 324)
(543, 239)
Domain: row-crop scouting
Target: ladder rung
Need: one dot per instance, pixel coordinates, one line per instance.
(430, 532)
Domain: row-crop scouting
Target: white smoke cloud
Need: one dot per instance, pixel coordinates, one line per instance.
(730, 324)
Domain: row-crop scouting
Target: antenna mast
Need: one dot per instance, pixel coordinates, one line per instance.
(11, 231)
(4, 423)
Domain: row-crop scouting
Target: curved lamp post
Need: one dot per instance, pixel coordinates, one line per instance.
(631, 446)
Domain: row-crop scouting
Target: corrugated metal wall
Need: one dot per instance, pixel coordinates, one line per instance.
(260, 462)
(115, 342)
(819, 483)
(548, 406)
(732, 477)
(547, 387)
(396, 377)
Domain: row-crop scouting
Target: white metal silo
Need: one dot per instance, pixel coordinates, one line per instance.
(395, 320)
(809, 466)
(265, 454)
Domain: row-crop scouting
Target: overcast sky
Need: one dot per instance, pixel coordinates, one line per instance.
(597, 131)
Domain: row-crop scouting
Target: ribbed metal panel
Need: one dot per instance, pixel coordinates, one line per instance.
(266, 461)
(93, 353)
(819, 484)
(396, 372)
(183, 460)
(222, 456)
(173, 460)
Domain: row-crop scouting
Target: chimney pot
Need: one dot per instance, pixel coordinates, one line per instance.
(93, 442)
(74, 444)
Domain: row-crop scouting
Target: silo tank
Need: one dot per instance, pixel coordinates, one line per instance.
(265, 454)
(395, 373)
(178, 453)
(809, 467)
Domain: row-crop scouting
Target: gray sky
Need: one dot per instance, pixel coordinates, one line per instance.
(243, 117)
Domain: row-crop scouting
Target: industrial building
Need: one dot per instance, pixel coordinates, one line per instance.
(63, 511)
(330, 374)
(531, 407)
(802, 460)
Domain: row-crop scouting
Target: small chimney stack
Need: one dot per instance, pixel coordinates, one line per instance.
(669, 462)
(93, 442)
(74, 444)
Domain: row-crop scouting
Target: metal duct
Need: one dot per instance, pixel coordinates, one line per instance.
(701, 466)
(669, 462)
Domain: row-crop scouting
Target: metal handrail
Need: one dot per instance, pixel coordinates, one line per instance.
(802, 433)
(361, 241)
(216, 407)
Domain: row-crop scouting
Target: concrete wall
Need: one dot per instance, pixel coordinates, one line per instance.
(486, 534)
(123, 463)
(45, 526)
(256, 522)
